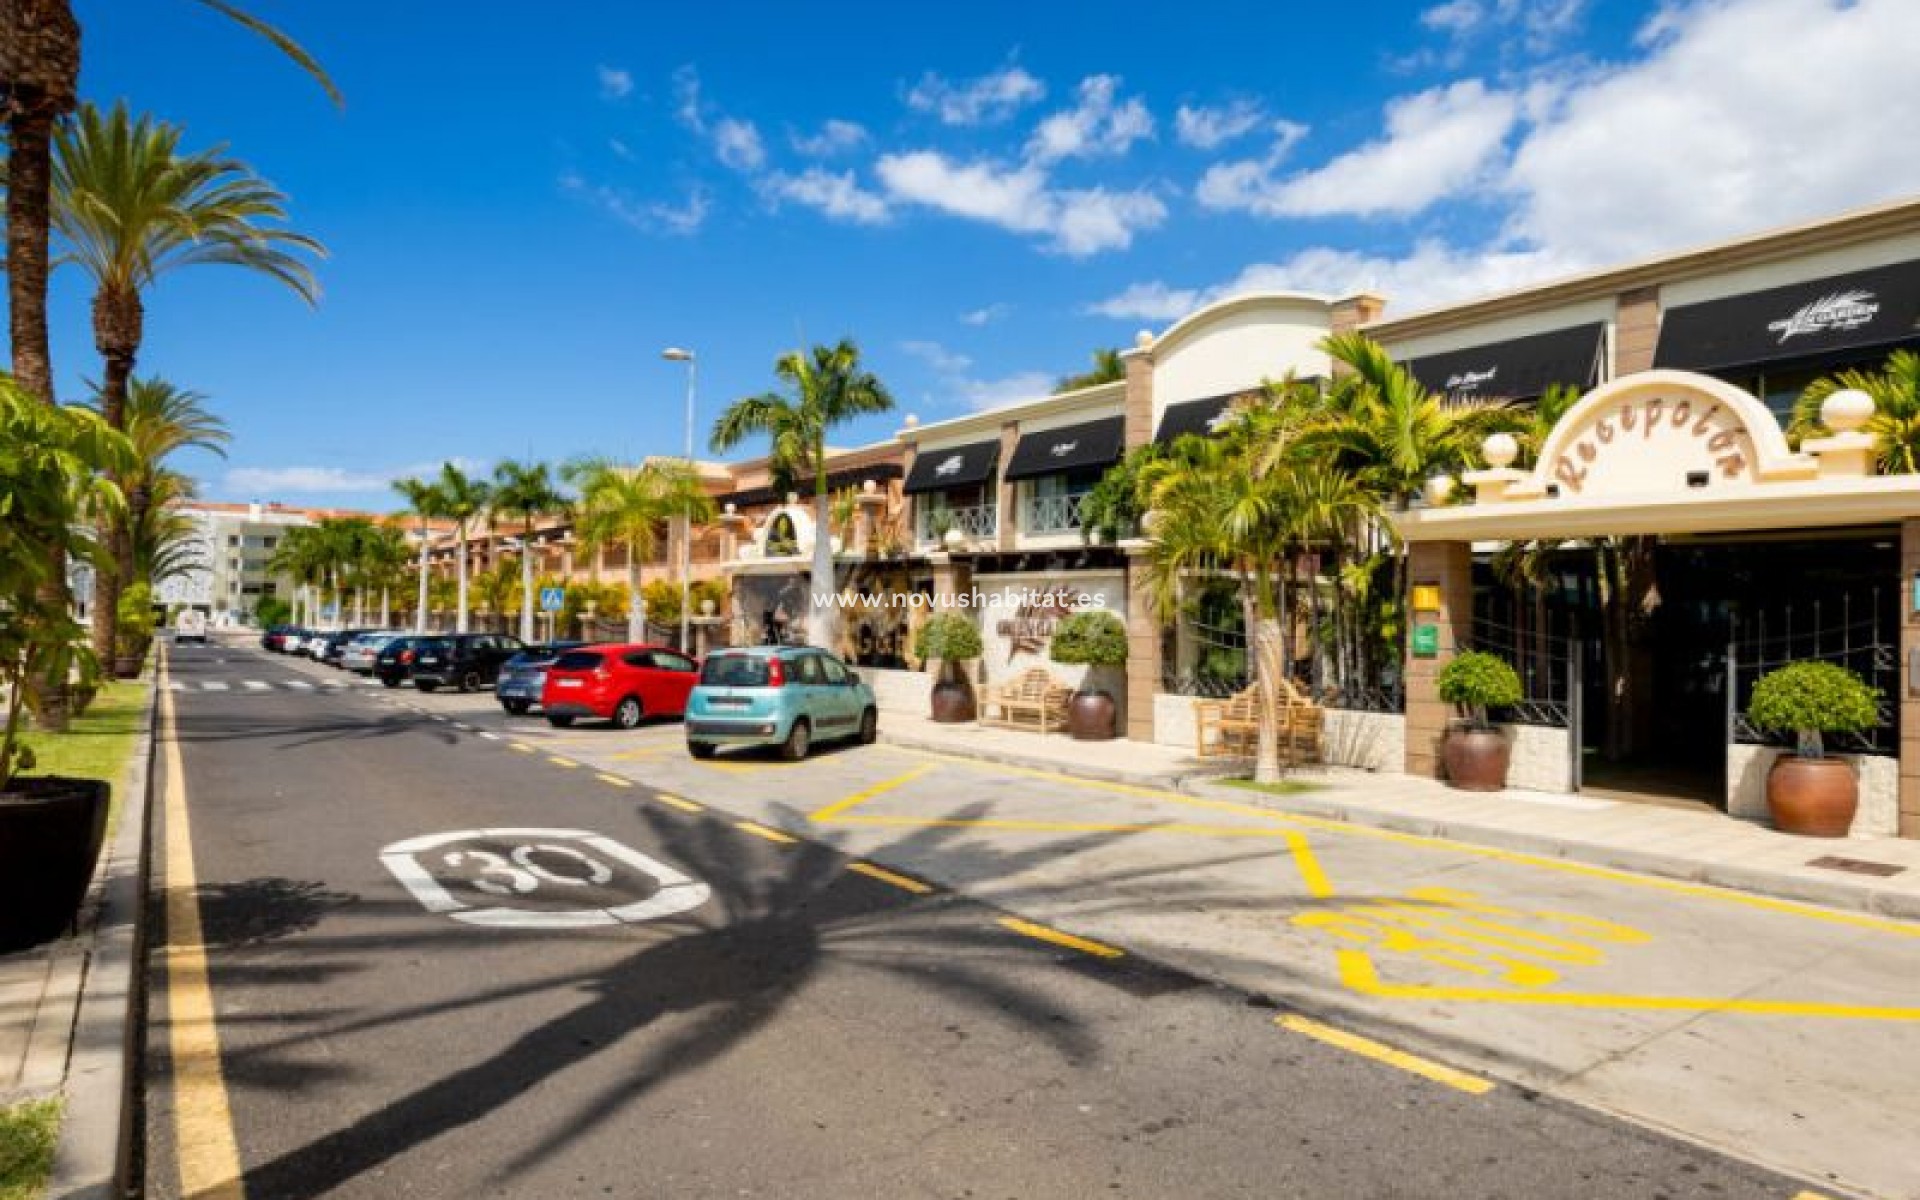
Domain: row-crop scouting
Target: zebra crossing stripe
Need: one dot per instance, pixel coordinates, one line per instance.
(214, 685)
(254, 685)
(299, 685)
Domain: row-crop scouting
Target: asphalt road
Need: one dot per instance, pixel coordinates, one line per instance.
(443, 966)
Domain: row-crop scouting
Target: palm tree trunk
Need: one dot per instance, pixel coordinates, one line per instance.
(636, 599)
(460, 608)
(526, 584)
(823, 614)
(386, 605)
(117, 322)
(420, 614)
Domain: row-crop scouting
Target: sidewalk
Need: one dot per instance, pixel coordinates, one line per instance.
(1699, 847)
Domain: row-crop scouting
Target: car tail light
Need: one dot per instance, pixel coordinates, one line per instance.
(406, 656)
(776, 673)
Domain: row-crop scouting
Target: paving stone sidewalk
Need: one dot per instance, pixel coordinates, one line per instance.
(1879, 875)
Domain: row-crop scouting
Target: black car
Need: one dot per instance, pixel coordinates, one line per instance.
(524, 676)
(394, 666)
(463, 661)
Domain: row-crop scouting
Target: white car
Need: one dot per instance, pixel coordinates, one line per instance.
(358, 655)
(191, 627)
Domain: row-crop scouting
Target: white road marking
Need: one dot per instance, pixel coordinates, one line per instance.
(492, 737)
(254, 685)
(214, 685)
(519, 873)
(299, 685)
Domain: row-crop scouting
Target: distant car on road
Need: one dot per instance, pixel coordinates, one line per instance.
(191, 627)
(524, 676)
(622, 683)
(466, 662)
(785, 696)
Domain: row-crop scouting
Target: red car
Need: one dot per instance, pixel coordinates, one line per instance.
(618, 683)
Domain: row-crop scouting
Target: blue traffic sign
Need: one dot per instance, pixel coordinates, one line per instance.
(552, 599)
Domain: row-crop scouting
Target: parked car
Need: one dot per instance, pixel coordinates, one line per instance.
(191, 627)
(393, 666)
(464, 661)
(785, 696)
(524, 676)
(278, 637)
(618, 683)
(359, 654)
(331, 646)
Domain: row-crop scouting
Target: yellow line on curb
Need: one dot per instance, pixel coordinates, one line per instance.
(615, 780)
(206, 1153)
(761, 831)
(677, 802)
(902, 882)
(557, 761)
(1046, 934)
(1473, 1085)
(879, 789)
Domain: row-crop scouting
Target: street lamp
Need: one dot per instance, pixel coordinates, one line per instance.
(676, 354)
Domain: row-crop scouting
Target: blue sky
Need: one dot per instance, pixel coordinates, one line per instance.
(523, 206)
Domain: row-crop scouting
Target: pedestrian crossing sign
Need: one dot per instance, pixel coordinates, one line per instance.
(552, 599)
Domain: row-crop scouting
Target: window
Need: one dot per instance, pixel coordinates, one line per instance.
(666, 660)
(806, 669)
(642, 659)
(233, 539)
(836, 674)
(577, 660)
(734, 670)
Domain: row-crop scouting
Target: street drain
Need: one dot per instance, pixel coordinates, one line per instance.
(1856, 866)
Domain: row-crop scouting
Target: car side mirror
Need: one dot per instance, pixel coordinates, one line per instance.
(853, 679)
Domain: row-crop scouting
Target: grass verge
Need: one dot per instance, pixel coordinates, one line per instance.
(27, 1135)
(1286, 787)
(97, 743)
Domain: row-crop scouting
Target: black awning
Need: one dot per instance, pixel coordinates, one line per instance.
(953, 466)
(1879, 306)
(1192, 416)
(1094, 444)
(850, 477)
(1520, 369)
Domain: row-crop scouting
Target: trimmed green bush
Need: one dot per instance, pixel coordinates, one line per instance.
(1095, 637)
(948, 637)
(1812, 698)
(1477, 681)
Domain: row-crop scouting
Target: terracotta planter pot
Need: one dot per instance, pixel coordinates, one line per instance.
(952, 702)
(1092, 716)
(1813, 797)
(1476, 759)
(50, 833)
(126, 666)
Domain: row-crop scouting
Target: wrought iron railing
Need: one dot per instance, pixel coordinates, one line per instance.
(973, 520)
(1851, 631)
(1052, 514)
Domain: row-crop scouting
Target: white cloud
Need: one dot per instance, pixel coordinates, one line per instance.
(1535, 26)
(838, 195)
(620, 149)
(738, 145)
(988, 315)
(952, 367)
(1206, 128)
(1456, 17)
(834, 137)
(941, 359)
(615, 84)
(987, 100)
(1247, 183)
(651, 216)
(1437, 144)
(267, 483)
(1095, 126)
(1075, 222)
(684, 218)
(686, 98)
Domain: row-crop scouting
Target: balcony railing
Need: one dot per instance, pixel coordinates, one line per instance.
(1053, 514)
(973, 520)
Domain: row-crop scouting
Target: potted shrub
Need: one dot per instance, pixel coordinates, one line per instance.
(135, 630)
(1807, 792)
(1097, 639)
(1477, 754)
(952, 639)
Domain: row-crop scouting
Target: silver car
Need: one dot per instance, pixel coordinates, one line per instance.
(358, 655)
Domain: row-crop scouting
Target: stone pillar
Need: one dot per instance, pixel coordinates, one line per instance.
(1139, 402)
(951, 578)
(1353, 312)
(1636, 331)
(1909, 699)
(1448, 567)
(1008, 489)
(1143, 647)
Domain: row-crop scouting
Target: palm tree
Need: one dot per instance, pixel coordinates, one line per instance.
(384, 564)
(527, 491)
(1107, 368)
(131, 207)
(463, 499)
(301, 556)
(426, 503)
(824, 389)
(626, 507)
(1895, 424)
(160, 420)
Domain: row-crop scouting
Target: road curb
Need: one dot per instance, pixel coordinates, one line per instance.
(95, 1148)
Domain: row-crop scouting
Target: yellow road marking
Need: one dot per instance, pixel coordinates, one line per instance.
(1357, 972)
(1046, 934)
(902, 882)
(636, 755)
(879, 789)
(615, 780)
(761, 831)
(523, 748)
(1381, 1053)
(207, 1155)
(557, 761)
(677, 802)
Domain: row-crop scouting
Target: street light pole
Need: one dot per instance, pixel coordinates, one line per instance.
(676, 354)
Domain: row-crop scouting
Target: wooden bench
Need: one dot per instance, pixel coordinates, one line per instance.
(1230, 728)
(1033, 699)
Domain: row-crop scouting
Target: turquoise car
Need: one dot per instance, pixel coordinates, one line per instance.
(785, 696)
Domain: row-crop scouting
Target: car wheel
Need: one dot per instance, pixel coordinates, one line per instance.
(392, 683)
(869, 727)
(470, 682)
(560, 722)
(517, 707)
(701, 750)
(425, 687)
(626, 714)
(799, 740)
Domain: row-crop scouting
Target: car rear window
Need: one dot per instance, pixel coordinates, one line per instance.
(577, 660)
(734, 670)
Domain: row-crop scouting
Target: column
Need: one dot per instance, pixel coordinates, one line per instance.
(1139, 402)
(1636, 331)
(1909, 698)
(1448, 568)
(1008, 489)
(1143, 648)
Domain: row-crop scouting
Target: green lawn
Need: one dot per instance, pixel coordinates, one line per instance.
(1286, 787)
(27, 1134)
(97, 744)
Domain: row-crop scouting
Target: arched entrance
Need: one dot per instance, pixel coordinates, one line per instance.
(1684, 547)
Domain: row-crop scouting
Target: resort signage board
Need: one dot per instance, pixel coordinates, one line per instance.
(1426, 641)
(1644, 442)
